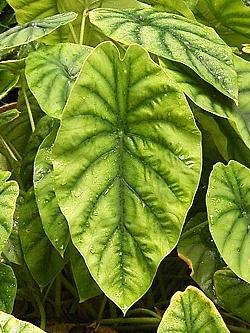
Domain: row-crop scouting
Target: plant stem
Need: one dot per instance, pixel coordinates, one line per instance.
(238, 329)
(13, 153)
(228, 315)
(81, 39)
(102, 307)
(145, 312)
(112, 310)
(58, 308)
(72, 30)
(69, 287)
(32, 123)
(135, 321)
(41, 311)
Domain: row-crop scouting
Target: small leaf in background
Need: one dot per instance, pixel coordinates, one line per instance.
(126, 160)
(197, 248)
(52, 71)
(233, 293)
(85, 284)
(9, 324)
(191, 311)
(33, 30)
(8, 116)
(43, 261)
(228, 206)
(229, 18)
(8, 195)
(8, 81)
(54, 222)
(8, 287)
(189, 42)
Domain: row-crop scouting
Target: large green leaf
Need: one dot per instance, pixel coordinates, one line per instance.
(127, 159)
(176, 38)
(10, 324)
(33, 30)
(43, 261)
(8, 287)
(85, 284)
(233, 293)
(228, 206)
(229, 18)
(197, 248)
(8, 196)
(190, 312)
(51, 72)
(208, 98)
(54, 223)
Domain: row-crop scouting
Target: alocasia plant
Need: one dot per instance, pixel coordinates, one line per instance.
(124, 166)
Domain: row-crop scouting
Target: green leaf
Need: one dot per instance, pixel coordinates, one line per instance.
(209, 99)
(8, 196)
(132, 157)
(229, 18)
(52, 71)
(197, 249)
(54, 223)
(10, 324)
(33, 30)
(85, 284)
(43, 261)
(228, 206)
(8, 80)
(176, 38)
(8, 116)
(8, 288)
(191, 311)
(233, 293)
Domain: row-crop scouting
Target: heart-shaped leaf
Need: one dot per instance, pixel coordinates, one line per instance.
(191, 311)
(54, 223)
(228, 206)
(51, 72)
(37, 250)
(197, 248)
(176, 38)
(8, 195)
(133, 163)
(8, 287)
(9, 324)
(33, 30)
(233, 293)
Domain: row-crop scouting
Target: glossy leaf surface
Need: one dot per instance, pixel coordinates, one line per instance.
(228, 206)
(8, 287)
(33, 30)
(176, 38)
(10, 324)
(51, 73)
(133, 163)
(191, 311)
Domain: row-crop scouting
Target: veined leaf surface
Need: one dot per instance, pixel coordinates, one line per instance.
(8, 287)
(133, 164)
(229, 18)
(176, 38)
(9, 324)
(51, 72)
(197, 248)
(233, 293)
(54, 223)
(33, 30)
(8, 195)
(228, 206)
(37, 250)
(191, 311)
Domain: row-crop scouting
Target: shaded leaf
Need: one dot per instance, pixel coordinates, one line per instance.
(228, 206)
(8, 116)
(8, 287)
(126, 169)
(8, 80)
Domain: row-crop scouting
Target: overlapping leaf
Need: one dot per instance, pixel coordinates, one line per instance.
(51, 73)
(54, 223)
(10, 324)
(228, 205)
(8, 287)
(176, 38)
(8, 196)
(191, 311)
(33, 30)
(133, 162)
